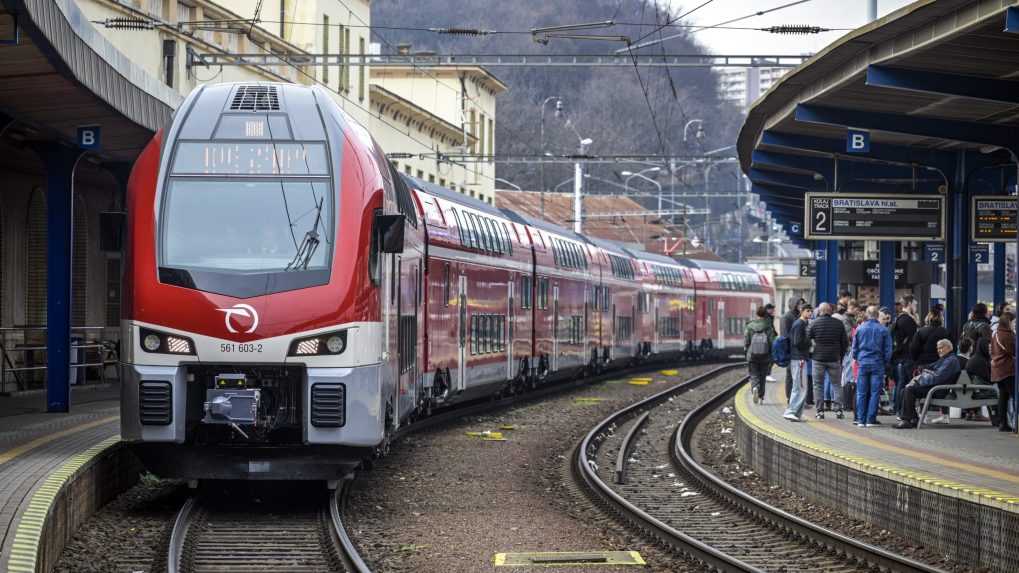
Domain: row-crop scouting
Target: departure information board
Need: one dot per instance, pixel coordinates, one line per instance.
(993, 218)
(858, 216)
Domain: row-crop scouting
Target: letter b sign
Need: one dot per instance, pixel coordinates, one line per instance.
(857, 141)
(89, 137)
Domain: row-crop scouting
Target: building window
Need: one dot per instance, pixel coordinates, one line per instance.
(491, 136)
(481, 196)
(408, 170)
(431, 178)
(481, 135)
(169, 61)
(421, 174)
(442, 182)
(472, 192)
(325, 47)
(474, 131)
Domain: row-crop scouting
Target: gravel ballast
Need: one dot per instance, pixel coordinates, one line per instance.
(447, 502)
(716, 449)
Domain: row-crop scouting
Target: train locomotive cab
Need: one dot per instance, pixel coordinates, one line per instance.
(256, 334)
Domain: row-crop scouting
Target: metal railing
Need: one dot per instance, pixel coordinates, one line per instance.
(23, 355)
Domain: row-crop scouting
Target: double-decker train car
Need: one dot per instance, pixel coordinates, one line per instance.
(290, 300)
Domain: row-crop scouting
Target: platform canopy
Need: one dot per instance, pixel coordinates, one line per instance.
(58, 73)
(923, 83)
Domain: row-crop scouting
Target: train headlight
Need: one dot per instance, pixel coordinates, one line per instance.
(162, 343)
(152, 342)
(336, 344)
(322, 344)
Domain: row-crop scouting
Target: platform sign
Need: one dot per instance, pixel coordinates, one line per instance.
(90, 136)
(934, 253)
(862, 216)
(808, 267)
(857, 141)
(980, 254)
(993, 218)
(820, 255)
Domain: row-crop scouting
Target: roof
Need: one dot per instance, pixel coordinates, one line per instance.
(644, 231)
(383, 97)
(86, 79)
(926, 81)
(450, 195)
(484, 75)
(717, 266)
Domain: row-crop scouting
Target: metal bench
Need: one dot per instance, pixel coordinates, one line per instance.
(963, 394)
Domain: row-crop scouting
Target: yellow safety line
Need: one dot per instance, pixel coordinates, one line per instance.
(16, 451)
(926, 481)
(28, 535)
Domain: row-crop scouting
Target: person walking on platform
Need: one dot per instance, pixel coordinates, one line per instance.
(786, 325)
(759, 336)
(872, 350)
(1003, 367)
(831, 343)
(799, 354)
(903, 330)
(943, 371)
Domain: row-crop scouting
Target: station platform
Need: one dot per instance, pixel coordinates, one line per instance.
(37, 451)
(953, 487)
(959, 459)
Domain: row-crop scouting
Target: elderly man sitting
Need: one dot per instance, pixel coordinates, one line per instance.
(944, 371)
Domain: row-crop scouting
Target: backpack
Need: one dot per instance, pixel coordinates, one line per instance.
(759, 348)
(780, 351)
(974, 329)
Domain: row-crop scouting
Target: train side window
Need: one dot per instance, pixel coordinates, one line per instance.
(374, 258)
(486, 225)
(543, 293)
(473, 225)
(509, 239)
(493, 229)
(525, 291)
(459, 226)
(446, 287)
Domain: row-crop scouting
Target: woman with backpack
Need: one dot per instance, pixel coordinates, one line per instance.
(759, 337)
(1003, 367)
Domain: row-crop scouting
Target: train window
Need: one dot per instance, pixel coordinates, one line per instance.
(486, 234)
(543, 293)
(509, 239)
(373, 255)
(472, 224)
(493, 227)
(525, 291)
(459, 226)
(446, 287)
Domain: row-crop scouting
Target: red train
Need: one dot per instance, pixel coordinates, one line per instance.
(291, 300)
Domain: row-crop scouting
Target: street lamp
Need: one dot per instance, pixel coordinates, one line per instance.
(699, 134)
(578, 183)
(558, 112)
(513, 185)
(640, 174)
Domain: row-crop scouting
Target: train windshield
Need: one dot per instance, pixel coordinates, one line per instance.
(246, 226)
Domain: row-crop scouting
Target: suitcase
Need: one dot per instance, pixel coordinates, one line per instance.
(849, 397)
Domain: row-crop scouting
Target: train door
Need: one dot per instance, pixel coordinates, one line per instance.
(408, 289)
(585, 351)
(720, 343)
(655, 328)
(461, 376)
(509, 327)
(555, 329)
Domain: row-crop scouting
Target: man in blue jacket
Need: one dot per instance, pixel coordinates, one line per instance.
(872, 350)
(944, 371)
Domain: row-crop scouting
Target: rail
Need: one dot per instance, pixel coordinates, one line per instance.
(713, 555)
(18, 355)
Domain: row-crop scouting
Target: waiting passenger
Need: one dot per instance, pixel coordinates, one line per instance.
(799, 355)
(758, 338)
(978, 324)
(1003, 367)
(903, 330)
(872, 350)
(924, 348)
(786, 325)
(831, 343)
(944, 371)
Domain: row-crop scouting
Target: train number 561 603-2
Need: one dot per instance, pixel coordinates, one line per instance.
(243, 348)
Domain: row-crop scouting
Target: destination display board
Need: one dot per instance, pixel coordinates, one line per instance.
(993, 218)
(859, 216)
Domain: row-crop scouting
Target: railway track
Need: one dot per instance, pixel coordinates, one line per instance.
(223, 536)
(638, 463)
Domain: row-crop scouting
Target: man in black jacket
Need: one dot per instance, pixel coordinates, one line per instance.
(785, 326)
(830, 345)
(903, 330)
(799, 355)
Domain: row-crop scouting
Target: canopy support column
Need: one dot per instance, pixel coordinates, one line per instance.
(886, 281)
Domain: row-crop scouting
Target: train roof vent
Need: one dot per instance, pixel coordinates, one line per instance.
(255, 98)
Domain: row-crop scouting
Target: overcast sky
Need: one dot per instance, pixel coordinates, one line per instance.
(824, 13)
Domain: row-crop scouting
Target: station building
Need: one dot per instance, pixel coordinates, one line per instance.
(84, 84)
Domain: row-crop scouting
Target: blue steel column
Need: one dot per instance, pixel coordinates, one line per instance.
(833, 271)
(958, 246)
(59, 162)
(886, 282)
(999, 275)
(821, 278)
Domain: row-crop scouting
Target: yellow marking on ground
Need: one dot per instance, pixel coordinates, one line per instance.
(587, 400)
(669, 372)
(508, 427)
(28, 535)
(639, 382)
(16, 451)
(926, 481)
(568, 559)
(487, 435)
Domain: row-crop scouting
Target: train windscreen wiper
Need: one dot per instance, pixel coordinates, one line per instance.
(309, 244)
